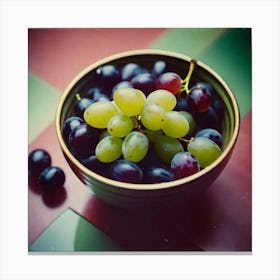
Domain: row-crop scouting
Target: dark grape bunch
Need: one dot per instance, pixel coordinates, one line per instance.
(145, 126)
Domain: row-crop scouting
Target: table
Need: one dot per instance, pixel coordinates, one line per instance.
(75, 220)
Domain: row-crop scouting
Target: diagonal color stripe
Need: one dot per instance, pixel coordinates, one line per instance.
(42, 104)
(188, 41)
(230, 56)
(80, 235)
(57, 55)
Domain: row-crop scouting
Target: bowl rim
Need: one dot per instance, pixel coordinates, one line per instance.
(155, 186)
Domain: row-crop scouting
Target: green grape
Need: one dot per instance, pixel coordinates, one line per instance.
(190, 119)
(167, 147)
(153, 134)
(176, 125)
(120, 125)
(135, 146)
(98, 114)
(164, 98)
(129, 100)
(205, 150)
(153, 116)
(109, 149)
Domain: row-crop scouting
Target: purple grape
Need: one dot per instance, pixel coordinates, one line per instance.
(218, 106)
(108, 76)
(159, 68)
(158, 175)
(211, 134)
(182, 104)
(96, 95)
(208, 119)
(38, 160)
(126, 171)
(203, 85)
(81, 105)
(184, 164)
(122, 85)
(69, 126)
(83, 140)
(93, 164)
(145, 82)
(130, 70)
(52, 177)
(199, 99)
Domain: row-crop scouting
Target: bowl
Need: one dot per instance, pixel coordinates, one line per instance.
(141, 196)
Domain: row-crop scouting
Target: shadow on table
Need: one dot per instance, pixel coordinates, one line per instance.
(168, 228)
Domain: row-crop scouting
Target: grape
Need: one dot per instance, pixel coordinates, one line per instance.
(96, 95)
(126, 171)
(169, 81)
(83, 139)
(211, 134)
(218, 106)
(153, 116)
(129, 100)
(182, 104)
(81, 105)
(150, 159)
(130, 70)
(120, 125)
(144, 82)
(69, 126)
(153, 134)
(184, 164)
(51, 178)
(199, 99)
(122, 85)
(203, 85)
(167, 147)
(38, 160)
(190, 120)
(208, 119)
(159, 68)
(135, 146)
(176, 125)
(108, 75)
(158, 175)
(164, 98)
(205, 150)
(98, 114)
(109, 149)
(93, 164)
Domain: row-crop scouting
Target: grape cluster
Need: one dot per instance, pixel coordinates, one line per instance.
(145, 126)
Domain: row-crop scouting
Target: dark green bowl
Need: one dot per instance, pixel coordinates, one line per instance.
(139, 196)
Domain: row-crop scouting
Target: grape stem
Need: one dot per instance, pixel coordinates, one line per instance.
(186, 81)
(78, 96)
(186, 140)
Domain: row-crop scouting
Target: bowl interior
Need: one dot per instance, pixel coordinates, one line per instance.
(146, 58)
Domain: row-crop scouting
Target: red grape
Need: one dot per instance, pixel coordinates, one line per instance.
(200, 99)
(169, 81)
(184, 164)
